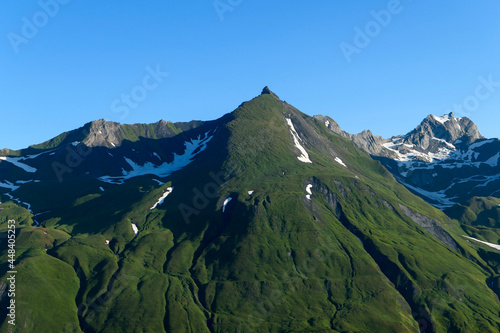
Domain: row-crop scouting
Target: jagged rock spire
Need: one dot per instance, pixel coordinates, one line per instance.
(267, 91)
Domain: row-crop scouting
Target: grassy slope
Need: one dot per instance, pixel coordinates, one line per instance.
(45, 287)
(479, 218)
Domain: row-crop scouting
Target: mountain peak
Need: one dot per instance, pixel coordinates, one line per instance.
(267, 91)
(443, 119)
(448, 128)
(103, 133)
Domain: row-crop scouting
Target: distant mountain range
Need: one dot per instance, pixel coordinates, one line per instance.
(445, 160)
(264, 220)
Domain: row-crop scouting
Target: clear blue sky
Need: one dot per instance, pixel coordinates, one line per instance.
(81, 61)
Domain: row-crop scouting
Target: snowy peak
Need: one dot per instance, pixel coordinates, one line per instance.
(445, 160)
(443, 119)
(436, 138)
(447, 128)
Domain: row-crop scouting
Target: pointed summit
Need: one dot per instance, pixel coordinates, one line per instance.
(267, 91)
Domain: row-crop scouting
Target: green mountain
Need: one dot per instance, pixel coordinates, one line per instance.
(261, 221)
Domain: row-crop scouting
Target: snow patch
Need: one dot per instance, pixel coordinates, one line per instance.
(106, 242)
(304, 157)
(101, 188)
(309, 192)
(412, 155)
(135, 229)
(162, 198)
(250, 192)
(23, 181)
(30, 157)
(159, 182)
(479, 144)
(493, 161)
(442, 119)
(225, 203)
(495, 246)
(445, 142)
(38, 214)
(15, 161)
(327, 123)
(339, 161)
(155, 154)
(28, 206)
(9, 185)
(165, 169)
(440, 197)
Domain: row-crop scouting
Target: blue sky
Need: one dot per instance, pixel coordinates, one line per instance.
(79, 62)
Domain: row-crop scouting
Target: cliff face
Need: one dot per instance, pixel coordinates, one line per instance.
(447, 128)
(109, 134)
(365, 140)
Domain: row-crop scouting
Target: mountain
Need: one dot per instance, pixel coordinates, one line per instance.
(445, 160)
(264, 220)
(365, 140)
(101, 133)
